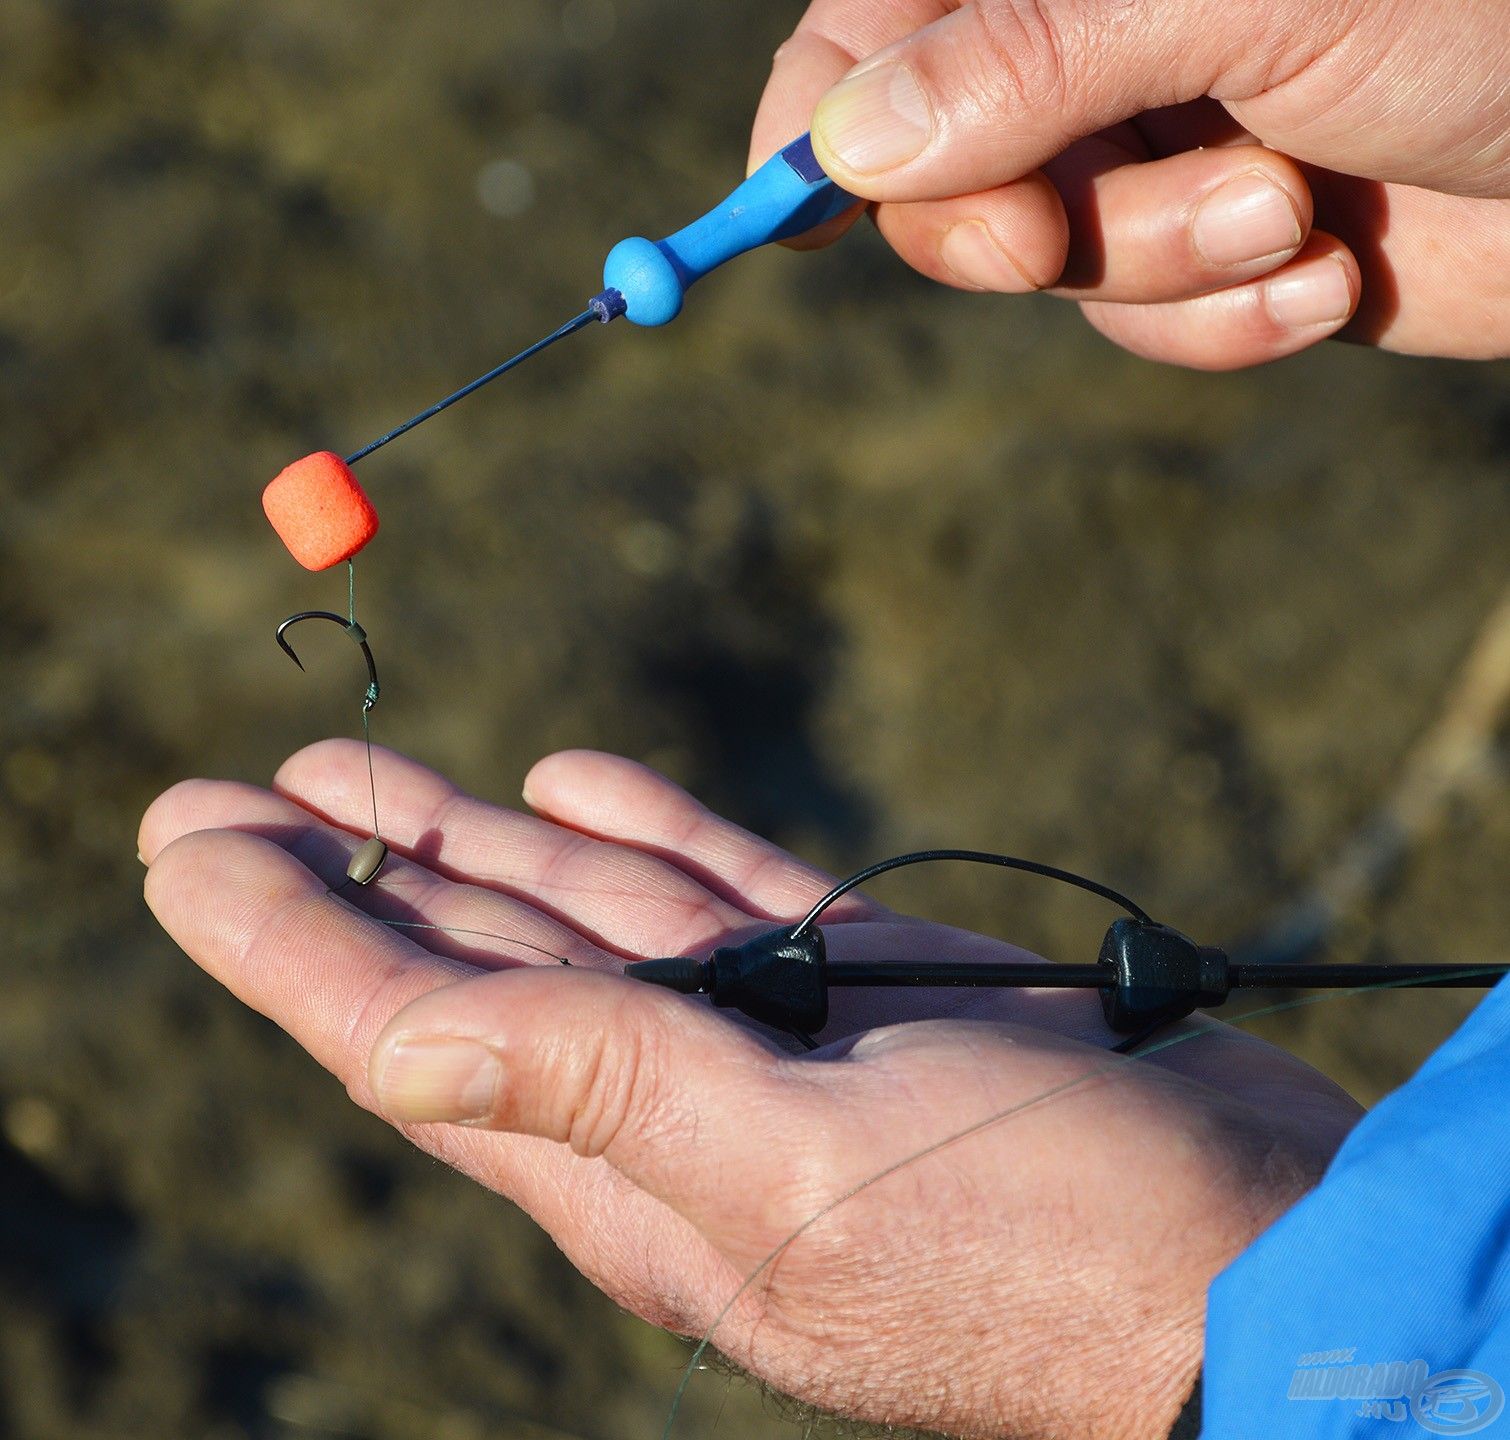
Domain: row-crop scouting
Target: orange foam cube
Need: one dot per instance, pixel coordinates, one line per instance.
(319, 511)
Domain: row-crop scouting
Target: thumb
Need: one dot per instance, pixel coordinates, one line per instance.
(679, 1100)
(989, 92)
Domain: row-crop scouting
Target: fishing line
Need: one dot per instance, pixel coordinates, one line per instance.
(977, 857)
(351, 614)
(463, 930)
(367, 862)
(1111, 1066)
(595, 311)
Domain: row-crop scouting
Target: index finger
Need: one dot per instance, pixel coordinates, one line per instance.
(272, 933)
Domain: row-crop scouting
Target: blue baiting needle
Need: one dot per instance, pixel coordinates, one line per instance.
(647, 279)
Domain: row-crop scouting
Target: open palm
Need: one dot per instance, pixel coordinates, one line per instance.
(671, 1151)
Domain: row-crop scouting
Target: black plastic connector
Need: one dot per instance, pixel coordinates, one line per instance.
(1158, 975)
(777, 978)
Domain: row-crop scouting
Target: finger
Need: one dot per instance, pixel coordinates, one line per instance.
(805, 66)
(685, 1105)
(1306, 301)
(994, 89)
(1169, 230)
(445, 917)
(270, 931)
(622, 899)
(800, 71)
(825, 234)
(1009, 240)
(1436, 268)
(1015, 238)
(229, 805)
(1123, 231)
(831, 37)
(616, 799)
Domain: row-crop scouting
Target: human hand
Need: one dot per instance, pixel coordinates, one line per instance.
(1217, 184)
(985, 1288)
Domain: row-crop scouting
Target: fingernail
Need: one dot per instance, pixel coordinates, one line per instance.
(139, 859)
(1244, 220)
(875, 120)
(1309, 295)
(972, 256)
(430, 1080)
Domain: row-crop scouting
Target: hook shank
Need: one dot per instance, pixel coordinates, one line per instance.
(351, 627)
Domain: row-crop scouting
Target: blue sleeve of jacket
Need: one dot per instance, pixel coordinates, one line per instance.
(1380, 1305)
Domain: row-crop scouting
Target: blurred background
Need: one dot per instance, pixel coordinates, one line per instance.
(1186, 633)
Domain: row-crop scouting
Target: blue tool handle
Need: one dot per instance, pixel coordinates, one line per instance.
(787, 196)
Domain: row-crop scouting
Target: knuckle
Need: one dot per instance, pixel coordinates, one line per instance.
(1298, 39)
(1026, 45)
(622, 1080)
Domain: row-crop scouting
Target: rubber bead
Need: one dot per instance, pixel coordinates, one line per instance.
(367, 861)
(319, 511)
(645, 275)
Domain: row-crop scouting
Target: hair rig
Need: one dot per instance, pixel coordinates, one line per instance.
(1148, 974)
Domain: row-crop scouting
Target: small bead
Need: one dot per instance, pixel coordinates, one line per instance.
(366, 863)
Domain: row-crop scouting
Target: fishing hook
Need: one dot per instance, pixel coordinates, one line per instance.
(351, 628)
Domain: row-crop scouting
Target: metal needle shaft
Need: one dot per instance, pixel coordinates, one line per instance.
(570, 328)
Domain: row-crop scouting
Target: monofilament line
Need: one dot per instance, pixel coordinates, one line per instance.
(484, 934)
(351, 615)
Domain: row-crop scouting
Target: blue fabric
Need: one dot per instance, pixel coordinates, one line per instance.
(1399, 1261)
